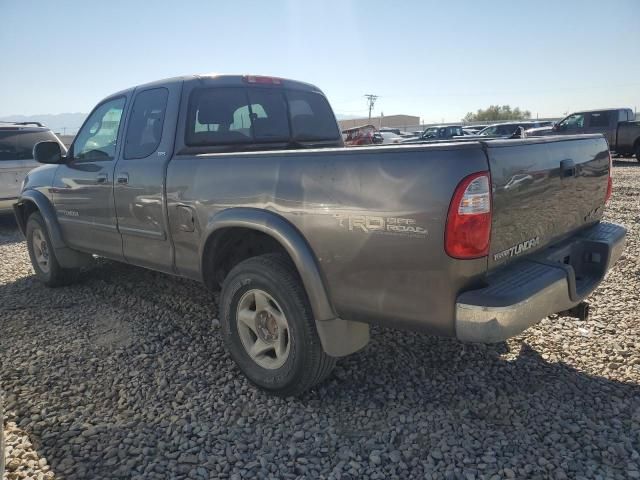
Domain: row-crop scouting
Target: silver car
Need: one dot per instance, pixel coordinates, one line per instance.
(16, 157)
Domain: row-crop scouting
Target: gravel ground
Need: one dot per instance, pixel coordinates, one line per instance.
(124, 376)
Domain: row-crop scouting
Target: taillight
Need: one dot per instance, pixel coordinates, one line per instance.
(468, 227)
(262, 80)
(609, 181)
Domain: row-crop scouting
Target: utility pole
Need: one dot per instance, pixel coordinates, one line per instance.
(372, 101)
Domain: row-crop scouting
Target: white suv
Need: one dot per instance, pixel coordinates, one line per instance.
(16, 157)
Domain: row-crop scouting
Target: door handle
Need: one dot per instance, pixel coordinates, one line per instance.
(123, 178)
(102, 178)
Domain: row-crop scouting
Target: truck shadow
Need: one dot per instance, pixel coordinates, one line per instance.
(130, 359)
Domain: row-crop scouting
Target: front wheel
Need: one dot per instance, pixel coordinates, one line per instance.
(42, 255)
(269, 328)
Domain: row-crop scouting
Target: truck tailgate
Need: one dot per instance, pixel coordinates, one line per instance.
(544, 189)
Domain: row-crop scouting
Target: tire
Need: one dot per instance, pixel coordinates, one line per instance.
(265, 309)
(42, 255)
(638, 151)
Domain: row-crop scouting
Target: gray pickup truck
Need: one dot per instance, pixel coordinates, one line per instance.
(618, 126)
(243, 183)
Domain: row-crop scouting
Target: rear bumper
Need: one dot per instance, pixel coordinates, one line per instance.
(523, 293)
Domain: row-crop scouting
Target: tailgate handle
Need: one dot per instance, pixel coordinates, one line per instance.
(567, 168)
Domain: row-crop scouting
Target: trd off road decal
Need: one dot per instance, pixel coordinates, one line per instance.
(378, 224)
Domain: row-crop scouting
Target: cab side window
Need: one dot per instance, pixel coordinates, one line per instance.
(599, 119)
(573, 122)
(144, 130)
(97, 139)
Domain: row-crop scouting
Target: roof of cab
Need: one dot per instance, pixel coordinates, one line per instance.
(227, 80)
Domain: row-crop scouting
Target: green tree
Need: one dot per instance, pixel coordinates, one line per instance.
(496, 113)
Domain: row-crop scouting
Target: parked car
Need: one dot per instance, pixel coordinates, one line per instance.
(399, 132)
(240, 182)
(507, 129)
(358, 136)
(437, 132)
(618, 125)
(17, 140)
(390, 137)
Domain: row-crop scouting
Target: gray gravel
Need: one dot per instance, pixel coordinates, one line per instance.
(124, 376)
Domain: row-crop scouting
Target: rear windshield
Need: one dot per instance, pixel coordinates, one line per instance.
(224, 116)
(18, 144)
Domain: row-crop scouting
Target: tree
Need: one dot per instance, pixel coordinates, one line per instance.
(497, 112)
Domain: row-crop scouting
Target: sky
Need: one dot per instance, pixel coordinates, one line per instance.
(434, 59)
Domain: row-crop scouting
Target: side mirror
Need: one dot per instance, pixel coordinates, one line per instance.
(48, 152)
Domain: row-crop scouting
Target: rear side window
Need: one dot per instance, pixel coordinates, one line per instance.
(599, 119)
(225, 116)
(144, 130)
(506, 129)
(18, 144)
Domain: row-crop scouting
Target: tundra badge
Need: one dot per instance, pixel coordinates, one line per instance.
(518, 249)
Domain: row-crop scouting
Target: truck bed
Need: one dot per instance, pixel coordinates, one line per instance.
(343, 200)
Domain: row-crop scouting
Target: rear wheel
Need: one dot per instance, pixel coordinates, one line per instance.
(638, 151)
(269, 329)
(43, 258)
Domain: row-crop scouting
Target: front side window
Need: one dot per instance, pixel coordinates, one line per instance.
(144, 130)
(572, 122)
(430, 133)
(489, 131)
(97, 139)
(225, 116)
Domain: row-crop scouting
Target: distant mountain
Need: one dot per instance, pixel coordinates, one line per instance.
(59, 122)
